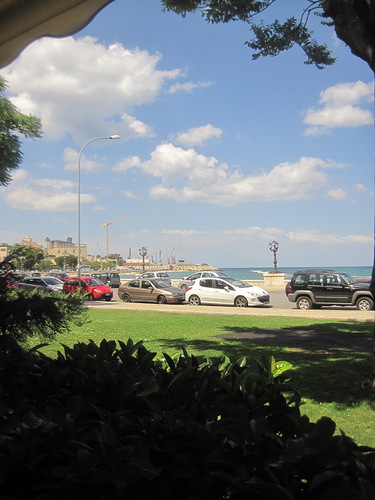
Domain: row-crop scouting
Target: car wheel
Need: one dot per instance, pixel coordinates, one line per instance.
(240, 302)
(194, 300)
(126, 297)
(108, 299)
(161, 299)
(365, 304)
(304, 303)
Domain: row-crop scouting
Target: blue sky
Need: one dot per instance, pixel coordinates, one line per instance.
(218, 156)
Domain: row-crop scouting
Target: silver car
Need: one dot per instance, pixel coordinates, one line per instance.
(189, 280)
(45, 284)
(150, 290)
(158, 275)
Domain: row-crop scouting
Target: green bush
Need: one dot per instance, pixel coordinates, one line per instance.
(107, 422)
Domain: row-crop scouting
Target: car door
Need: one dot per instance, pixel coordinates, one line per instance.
(224, 292)
(146, 291)
(206, 291)
(317, 287)
(337, 292)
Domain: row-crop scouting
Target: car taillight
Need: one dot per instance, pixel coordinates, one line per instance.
(189, 288)
(288, 288)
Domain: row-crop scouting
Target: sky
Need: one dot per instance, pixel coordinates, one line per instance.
(218, 154)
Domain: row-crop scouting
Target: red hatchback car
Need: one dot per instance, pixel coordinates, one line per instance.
(95, 289)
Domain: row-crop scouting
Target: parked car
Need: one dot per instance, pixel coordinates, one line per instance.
(95, 289)
(150, 290)
(45, 284)
(59, 275)
(310, 288)
(156, 275)
(111, 279)
(9, 281)
(225, 291)
(189, 280)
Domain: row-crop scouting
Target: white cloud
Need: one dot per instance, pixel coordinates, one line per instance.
(43, 195)
(341, 106)
(312, 236)
(79, 85)
(337, 194)
(71, 161)
(188, 87)
(198, 136)
(189, 176)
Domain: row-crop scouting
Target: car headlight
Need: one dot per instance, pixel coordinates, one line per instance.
(97, 291)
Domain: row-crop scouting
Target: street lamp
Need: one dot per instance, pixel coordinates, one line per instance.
(143, 252)
(274, 246)
(79, 198)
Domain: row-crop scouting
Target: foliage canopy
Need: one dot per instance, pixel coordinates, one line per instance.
(353, 20)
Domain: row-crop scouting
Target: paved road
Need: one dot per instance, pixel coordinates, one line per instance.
(279, 306)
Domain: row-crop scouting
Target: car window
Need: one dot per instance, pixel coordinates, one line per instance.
(221, 284)
(316, 279)
(114, 275)
(238, 283)
(207, 283)
(134, 284)
(160, 284)
(93, 282)
(146, 284)
(51, 281)
(300, 279)
(332, 279)
(163, 275)
(194, 276)
(347, 279)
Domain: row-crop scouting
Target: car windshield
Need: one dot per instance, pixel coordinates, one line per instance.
(93, 282)
(51, 281)
(349, 280)
(160, 284)
(238, 283)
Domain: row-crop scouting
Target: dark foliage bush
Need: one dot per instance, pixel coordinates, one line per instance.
(107, 422)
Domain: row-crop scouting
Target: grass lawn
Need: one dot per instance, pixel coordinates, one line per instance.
(328, 381)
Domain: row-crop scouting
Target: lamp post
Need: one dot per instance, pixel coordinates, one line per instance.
(274, 246)
(143, 252)
(79, 199)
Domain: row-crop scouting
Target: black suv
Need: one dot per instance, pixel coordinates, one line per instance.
(321, 287)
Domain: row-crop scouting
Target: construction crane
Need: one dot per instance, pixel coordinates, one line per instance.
(106, 224)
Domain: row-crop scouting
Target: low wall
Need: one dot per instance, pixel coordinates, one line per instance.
(270, 287)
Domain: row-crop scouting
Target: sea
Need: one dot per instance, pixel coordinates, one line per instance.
(255, 273)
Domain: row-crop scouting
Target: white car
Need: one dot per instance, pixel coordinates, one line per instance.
(189, 280)
(225, 291)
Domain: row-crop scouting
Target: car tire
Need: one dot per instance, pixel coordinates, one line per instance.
(304, 303)
(240, 301)
(365, 304)
(126, 297)
(109, 299)
(194, 300)
(161, 299)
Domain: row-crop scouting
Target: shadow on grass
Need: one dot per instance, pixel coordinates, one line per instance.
(329, 365)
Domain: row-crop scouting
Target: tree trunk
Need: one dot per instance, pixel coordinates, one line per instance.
(354, 22)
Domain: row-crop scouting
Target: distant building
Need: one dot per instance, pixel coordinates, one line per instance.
(60, 248)
(5, 250)
(28, 242)
(136, 263)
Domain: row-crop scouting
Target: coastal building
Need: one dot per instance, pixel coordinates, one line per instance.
(28, 242)
(5, 250)
(61, 248)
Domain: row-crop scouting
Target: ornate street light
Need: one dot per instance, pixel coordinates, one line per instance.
(79, 198)
(143, 252)
(274, 246)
